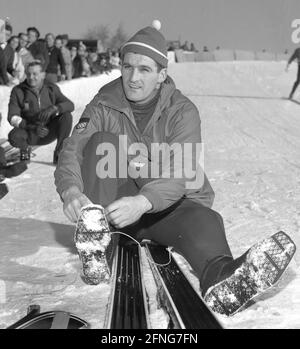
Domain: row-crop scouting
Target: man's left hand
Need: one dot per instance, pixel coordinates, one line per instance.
(127, 210)
(46, 114)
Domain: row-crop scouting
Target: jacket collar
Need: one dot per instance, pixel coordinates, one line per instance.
(112, 95)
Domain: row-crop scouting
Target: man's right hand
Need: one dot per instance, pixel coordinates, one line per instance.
(42, 131)
(74, 200)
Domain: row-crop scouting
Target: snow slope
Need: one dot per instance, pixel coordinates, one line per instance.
(252, 158)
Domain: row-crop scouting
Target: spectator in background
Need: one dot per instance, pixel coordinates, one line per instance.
(185, 46)
(24, 53)
(73, 52)
(104, 67)
(115, 60)
(193, 48)
(19, 71)
(66, 56)
(8, 51)
(93, 61)
(294, 57)
(36, 47)
(55, 60)
(39, 113)
(58, 45)
(80, 64)
(77, 64)
(3, 64)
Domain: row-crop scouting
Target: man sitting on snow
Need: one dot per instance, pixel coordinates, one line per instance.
(39, 113)
(132, 115)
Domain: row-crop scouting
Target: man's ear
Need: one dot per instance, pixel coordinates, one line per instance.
(43, 74)
(162, 75)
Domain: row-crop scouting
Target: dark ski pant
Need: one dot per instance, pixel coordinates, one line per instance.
(297, 82)
(59, 128)
(195, 231)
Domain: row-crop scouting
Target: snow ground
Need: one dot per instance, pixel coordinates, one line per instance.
(252, 158)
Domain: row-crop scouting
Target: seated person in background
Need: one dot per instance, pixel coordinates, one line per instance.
(39, 113)
(55, 60)
(37, 47)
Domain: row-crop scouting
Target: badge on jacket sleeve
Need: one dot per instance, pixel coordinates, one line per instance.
(82, 124)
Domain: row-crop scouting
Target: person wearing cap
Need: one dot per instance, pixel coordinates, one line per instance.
(155, 198)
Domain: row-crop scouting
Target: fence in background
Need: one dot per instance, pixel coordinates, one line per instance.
(180, 56)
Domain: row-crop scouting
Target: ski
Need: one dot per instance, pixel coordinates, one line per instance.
(127, 308)
(186, 308)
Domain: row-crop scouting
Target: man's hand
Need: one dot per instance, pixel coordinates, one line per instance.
(74, 200)
(42, 131)
(46, 114)
(127, 210)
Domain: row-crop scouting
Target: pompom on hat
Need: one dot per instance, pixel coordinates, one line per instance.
(148, 42)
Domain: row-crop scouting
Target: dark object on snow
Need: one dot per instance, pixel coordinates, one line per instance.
(51, 320)
(13, 170)
(2, 157)
(3, 190)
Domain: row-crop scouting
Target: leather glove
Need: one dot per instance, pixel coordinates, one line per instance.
(46, 114)
(42, 131)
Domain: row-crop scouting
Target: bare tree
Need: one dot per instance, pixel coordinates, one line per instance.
(100, 32)
(119, 38)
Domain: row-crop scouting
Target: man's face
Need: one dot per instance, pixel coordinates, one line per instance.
(35, 76)
(32, 37)
(140, 77)
(50, 40)
(58, 43)
(23, 40)
(14, 43)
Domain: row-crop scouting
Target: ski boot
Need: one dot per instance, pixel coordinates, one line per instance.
(92, 237)
(25, 154)
(259, 269)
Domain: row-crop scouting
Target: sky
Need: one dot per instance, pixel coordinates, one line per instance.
(231, 24)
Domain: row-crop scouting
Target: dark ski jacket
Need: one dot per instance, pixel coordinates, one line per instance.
(175, 120)
(9, 55)
(3, 68)
(55, 59)
(25, 102)
(39, 51)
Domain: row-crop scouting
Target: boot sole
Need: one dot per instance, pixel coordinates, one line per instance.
(265, 263)
(92, 237)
